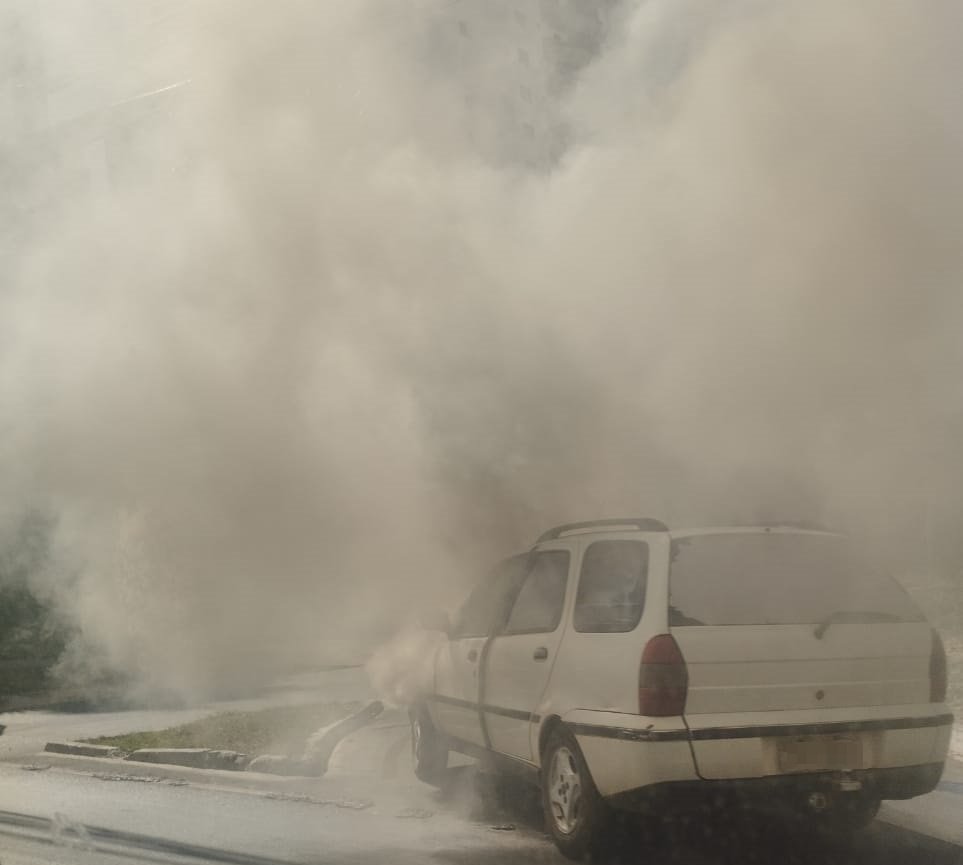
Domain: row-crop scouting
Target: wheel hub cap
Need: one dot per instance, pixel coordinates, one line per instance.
(565, 790)
(416, 737)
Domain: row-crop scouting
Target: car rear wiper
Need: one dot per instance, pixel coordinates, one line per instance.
(852, 616)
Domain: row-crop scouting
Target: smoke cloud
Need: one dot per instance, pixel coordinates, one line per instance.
(302, 323)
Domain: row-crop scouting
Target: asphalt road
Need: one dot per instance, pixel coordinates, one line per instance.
(361, 821)
(368, 809)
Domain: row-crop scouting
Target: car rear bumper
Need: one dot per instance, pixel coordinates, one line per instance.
(903, 782)
(629, 752)
(739, 746)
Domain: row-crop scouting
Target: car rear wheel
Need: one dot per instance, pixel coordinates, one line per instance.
(428, 748)
(844, 815)
(576, 816)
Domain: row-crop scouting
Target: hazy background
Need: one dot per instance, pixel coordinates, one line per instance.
(308, 310)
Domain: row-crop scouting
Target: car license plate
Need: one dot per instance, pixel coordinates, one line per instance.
(819, 753)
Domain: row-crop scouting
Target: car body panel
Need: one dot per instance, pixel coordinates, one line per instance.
(454, 703)
(761, 668)
(515, 682)
(514, 679)
(626, 751)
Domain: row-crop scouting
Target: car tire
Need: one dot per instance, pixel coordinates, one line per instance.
(429, 750)
(847, 815)
(576, 816)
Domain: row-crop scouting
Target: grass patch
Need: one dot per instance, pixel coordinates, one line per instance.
(280, 730)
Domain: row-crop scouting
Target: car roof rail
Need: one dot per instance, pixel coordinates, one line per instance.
(805, 525)
(643, 524)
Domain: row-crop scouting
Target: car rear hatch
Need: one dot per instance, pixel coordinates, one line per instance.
(800, 657)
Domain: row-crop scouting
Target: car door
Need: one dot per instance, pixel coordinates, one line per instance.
(519, 659)
(455, 703)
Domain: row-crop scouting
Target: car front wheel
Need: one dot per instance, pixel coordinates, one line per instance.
(576, 816)
(428, 748)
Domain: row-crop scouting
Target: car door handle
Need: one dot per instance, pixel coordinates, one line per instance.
(540, 654)
(473, 655)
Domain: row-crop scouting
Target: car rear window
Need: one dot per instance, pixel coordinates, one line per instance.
(611, 587)
(778, 578)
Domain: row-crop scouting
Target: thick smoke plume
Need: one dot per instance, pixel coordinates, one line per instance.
(330, 328)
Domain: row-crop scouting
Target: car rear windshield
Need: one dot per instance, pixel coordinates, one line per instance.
(778, 578)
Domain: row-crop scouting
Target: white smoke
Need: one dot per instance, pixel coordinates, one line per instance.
(335, 326)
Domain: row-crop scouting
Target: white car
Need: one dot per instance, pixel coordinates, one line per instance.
(622, 665)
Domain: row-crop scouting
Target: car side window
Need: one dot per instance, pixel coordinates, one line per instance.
(487, 604)
(538, 607)
(611, 587)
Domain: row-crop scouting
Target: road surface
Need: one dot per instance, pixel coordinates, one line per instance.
(369, 808)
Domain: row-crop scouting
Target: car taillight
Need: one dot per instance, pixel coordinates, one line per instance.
(663, 678)
(937, 670)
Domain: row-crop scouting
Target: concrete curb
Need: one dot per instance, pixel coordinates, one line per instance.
(279, 764)
(195, 758)
(377, 749)
(319, 748)
(84, 749)
(322, 744)
(105, 769)
(313, 765)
